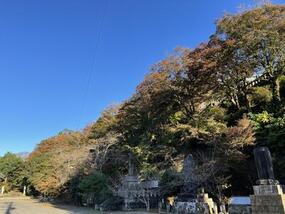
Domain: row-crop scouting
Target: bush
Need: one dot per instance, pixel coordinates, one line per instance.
(261, 96)
(217, 113)
(170, 183)
(96, 184)
(113, 203)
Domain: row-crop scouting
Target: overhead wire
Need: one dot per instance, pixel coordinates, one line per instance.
(90, 74)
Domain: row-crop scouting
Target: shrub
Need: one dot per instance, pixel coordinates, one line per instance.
(261, 96)
(113, 203)
(96, 184)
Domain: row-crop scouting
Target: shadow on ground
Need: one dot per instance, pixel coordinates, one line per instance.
(9, 208)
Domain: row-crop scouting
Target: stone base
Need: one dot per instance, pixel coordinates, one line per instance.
(267, 204)
(268, 199)
(238, 209)
(194, 208)
(268, 190)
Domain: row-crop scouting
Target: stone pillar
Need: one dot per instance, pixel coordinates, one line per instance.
(159, 207)
(2, 190)
(25, 191)
(207, 204)
(268, 198)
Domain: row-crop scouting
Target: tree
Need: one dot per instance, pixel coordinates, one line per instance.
(56, 160)
(259, 35)
(101, 148)
(12, 169)
(96, 184)
(270, 132)
(194, 101)
(191, 77)
(104, 124)
(231, 72)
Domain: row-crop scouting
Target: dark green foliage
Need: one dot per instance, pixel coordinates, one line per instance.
(261, 96)
(13, 170)
(112, 203)
(171, 183)
(270, 131)
(96, 183)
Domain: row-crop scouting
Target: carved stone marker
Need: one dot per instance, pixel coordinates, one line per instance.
(188, 165)
(131, 168)
(130, 184)
(264, 166)
(268, 195)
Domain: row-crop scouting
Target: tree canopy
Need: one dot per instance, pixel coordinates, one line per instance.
(216, 101)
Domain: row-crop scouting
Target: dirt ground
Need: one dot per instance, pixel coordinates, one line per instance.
(31, 206)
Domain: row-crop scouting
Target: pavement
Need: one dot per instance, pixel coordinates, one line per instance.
(32, 206)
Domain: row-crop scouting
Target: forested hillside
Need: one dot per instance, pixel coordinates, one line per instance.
(216, 102)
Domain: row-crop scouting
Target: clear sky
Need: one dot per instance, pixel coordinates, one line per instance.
(63, 61)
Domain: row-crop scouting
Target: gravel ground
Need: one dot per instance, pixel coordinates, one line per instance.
(30, 206)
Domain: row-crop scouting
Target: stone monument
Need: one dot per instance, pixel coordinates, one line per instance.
(268, 194)
(203, 204)
(130, 184)
(188, 165)
(137, 193)
(190, 187)
(264, 166)
(189, 202)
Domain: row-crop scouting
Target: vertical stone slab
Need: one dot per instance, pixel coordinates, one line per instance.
(268, 196)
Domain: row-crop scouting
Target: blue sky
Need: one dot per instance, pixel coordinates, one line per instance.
(63, 61)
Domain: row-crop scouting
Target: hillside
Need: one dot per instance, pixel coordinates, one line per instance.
(212, 102)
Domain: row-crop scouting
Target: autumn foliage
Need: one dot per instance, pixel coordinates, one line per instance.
(205, 101)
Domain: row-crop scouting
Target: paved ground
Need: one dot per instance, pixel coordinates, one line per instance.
(29, 206)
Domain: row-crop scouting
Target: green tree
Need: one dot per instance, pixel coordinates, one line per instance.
(96, 184)
(260, 40)
(270, 132)
(13, 170)
(261, 97)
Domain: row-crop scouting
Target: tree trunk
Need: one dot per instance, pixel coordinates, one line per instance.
(244, 100)
(247, 103)
(274, 89)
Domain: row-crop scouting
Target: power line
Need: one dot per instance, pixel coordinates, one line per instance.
(90, 74)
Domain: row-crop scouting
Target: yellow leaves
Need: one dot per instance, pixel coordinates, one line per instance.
(263, 117)
(138, 150)
(230, 42)
(103, 125)
(214, 126)
(240, 135)
(188, 131)
(265, 17)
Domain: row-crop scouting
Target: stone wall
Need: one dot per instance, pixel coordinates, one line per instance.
(239, 209)
(185, 207)
(202, 205)
(268, 199)
(265, 204)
